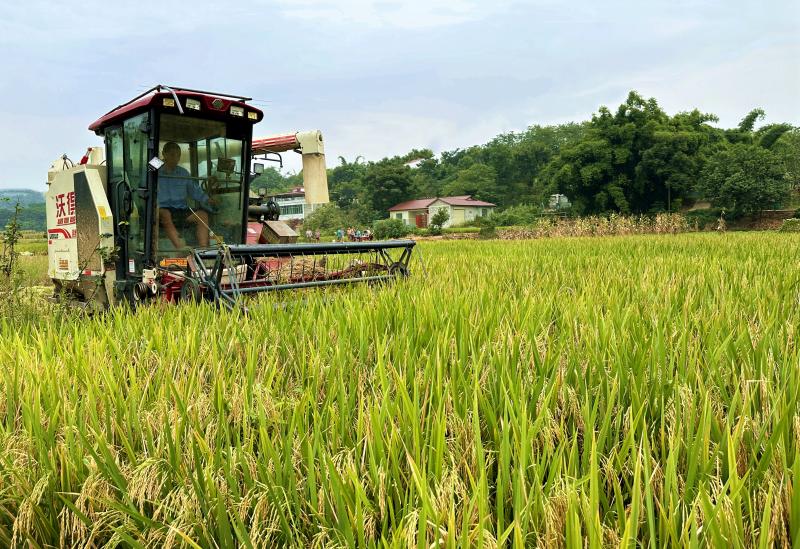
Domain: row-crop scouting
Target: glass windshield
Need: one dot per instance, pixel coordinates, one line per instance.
(200, 186)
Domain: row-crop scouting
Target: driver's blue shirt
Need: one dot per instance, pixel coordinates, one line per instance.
(176, 186)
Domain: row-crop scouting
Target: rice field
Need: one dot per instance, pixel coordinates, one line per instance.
(579, 392)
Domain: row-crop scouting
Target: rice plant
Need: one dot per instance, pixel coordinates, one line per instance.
(636, 391)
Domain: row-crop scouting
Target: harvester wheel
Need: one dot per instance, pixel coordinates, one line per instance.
(190, 291)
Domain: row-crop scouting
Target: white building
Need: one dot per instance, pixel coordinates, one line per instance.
(292, 204)
(462, 209)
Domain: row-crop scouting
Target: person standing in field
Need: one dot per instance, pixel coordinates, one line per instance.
(721, 225)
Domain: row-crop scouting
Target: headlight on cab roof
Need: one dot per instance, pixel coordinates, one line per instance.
(237, 111)
(193, 104)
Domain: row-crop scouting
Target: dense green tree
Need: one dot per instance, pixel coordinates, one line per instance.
(431, 175)
(635, 160)
(386, 183)
(744, 179)
(768, 135)
(748, 123)
(787, 147)
(328, 217)
(270, 180)
(632, 159)
(478, 181)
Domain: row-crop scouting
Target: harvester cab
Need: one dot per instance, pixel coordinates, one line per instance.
(164, 210)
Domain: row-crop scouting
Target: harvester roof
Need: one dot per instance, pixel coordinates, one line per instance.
(211, 104)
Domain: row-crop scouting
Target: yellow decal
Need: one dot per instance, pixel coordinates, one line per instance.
(178, 261)
(102, 211)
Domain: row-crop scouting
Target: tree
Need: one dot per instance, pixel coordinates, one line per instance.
(744, 179)
(438, 220)
(11, 235)
(270, 180)
(386, 183)
(635, 160)
(787, 147)
(478, 181)
(748, 123)
(389, 228)
(346, 193)
(328, 217)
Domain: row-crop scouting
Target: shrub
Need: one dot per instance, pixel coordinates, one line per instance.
(790, 226)
(488, 227)
(328, 217)
(390, 228)
(523, 214)
(706, 218)
(10, 236)
(438, 220)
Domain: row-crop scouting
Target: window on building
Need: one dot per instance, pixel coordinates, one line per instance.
(292, 210)
(398, 216)
(484, 212)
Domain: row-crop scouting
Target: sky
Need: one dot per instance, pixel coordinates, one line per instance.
(381, 77)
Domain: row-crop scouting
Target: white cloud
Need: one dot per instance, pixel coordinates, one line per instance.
(408, 14)
(766, 76)
(396, 129)
(31, 142)
(39, 24)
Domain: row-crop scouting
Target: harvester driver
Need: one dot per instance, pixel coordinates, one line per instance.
(176, 186)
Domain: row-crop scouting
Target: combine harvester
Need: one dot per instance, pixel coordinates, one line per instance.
(162, 212)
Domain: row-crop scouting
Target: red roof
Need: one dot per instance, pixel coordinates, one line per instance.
(296, 191)
(423, 203)
(418, 204)
(154, 95)
(465, 201)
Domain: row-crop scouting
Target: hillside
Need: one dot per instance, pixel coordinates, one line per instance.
(25, 197)
(32, 215)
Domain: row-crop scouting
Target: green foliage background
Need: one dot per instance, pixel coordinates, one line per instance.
(634, 159)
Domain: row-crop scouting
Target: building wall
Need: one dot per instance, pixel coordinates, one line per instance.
(435, 207)
(401, 215)
(409, 217)
(458, 214)
(292, 208)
